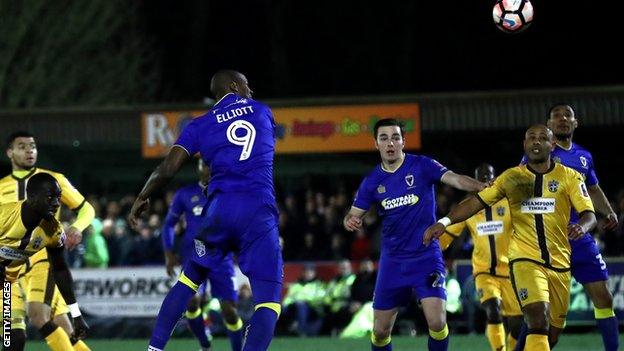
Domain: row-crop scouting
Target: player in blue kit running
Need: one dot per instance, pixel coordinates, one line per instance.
(236, 139)
(403, 189)
(189, 202)
(588, 267)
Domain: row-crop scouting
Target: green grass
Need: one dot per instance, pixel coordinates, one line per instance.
(570, 342)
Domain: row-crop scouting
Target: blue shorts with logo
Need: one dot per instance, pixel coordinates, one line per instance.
(245, 223)
(586, 261)
(400, 279)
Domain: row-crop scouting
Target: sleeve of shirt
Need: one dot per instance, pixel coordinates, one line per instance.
(592, 178)
(188, 138)
(364, 196)
(434, 169)
(452, 232)
(70, 196)
(272, 119)
(172, 218)
(579, 196)
(493, 193)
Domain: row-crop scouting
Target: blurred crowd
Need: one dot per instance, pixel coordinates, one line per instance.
(310, 227)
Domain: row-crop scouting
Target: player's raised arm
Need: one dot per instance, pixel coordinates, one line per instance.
(462, 182)
(602, 206)
(160, 177)
(459, 213)
(353, 219)
(65, 282)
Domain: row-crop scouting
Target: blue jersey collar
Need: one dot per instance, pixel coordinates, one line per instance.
(225, 98)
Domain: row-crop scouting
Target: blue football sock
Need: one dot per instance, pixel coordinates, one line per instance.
(260, 329)
(171, 311)
(236, 336)
(608, 325)
(439, 341)
(195, 321)
(522, 335)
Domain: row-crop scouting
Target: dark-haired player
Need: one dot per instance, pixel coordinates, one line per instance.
(402, 188)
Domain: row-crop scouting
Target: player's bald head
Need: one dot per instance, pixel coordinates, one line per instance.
(228, 81)
(538, 129)
(484, 172)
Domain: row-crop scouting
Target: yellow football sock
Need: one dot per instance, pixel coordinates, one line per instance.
(511, 342)
(81, 346)
(55, 337)
(496, 336)
(537, 342)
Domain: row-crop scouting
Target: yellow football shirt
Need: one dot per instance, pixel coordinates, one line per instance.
(540, 205)
(13, 189)
(17, 243)
(491, 231)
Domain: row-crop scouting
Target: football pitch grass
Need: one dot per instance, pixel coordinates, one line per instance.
(569, 342)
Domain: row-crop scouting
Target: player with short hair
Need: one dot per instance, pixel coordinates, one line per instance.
(189, 202)
(491, 231)
(42, 297)
(236, 139)
(541, 195)
(27, 227)
(588, 267)
(402, 189)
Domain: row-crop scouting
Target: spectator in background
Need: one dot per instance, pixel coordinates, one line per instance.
(337, 298)
(146, 248)
(96, 250)
(360, 246)
(304, 303)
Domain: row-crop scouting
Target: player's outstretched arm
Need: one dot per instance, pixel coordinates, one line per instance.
(353, 219)
(462, 182)
(602, 206)
(162, 175)
(65, 282)
(587, 222)
(459, 213)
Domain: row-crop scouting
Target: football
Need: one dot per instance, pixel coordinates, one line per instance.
(512, 16)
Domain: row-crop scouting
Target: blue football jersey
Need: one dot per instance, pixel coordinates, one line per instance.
(236, 138)
(405, 201)
(188, 201)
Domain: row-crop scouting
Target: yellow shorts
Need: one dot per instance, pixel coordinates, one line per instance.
(18, 307)
(536, 283)
(38, 284)
(490, 286)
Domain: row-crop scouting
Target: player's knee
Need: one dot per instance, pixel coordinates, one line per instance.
(193, 304)
(228, 310)
(62, 320)
(493, 311)
(381, 332)
(437, 325)
(603, 299)
(38, 317)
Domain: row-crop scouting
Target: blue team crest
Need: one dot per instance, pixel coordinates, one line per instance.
(523, 294)
(553, 185)
(37, 243)
(195, 198)
(380, 189)
(409, 179)
(200, 248)
(500, 210)
(583, 161)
